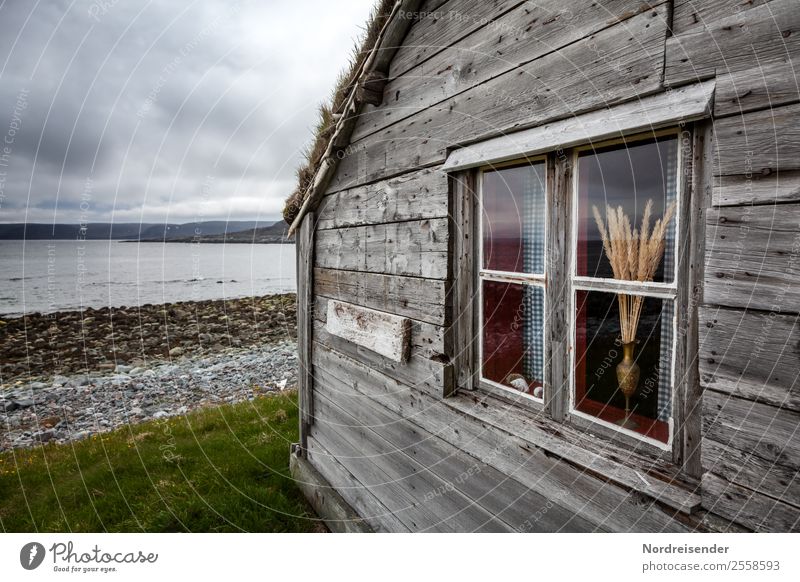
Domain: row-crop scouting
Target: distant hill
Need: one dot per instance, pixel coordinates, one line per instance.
(273, 234)
(122, 230)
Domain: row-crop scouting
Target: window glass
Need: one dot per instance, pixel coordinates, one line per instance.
(602, 364)
(514, 219)
(641, 180)
(513, 336)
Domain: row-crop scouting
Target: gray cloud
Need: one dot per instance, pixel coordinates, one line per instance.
(159, 111)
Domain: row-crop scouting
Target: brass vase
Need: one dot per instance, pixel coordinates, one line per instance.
(628, 380)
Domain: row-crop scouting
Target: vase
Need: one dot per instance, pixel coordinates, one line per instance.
(628, 381)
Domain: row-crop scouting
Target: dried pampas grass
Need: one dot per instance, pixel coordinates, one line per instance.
(634, 256)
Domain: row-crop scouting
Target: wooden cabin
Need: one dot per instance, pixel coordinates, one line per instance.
(466, 342)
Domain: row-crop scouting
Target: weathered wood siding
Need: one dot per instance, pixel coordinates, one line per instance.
(749, 354)
(405, 457)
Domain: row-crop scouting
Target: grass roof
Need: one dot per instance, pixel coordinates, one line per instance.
(331, 110)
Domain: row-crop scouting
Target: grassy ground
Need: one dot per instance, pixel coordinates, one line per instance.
(218, 469)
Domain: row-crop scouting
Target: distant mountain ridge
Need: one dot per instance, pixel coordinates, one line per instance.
(145, 231)
(273, 234)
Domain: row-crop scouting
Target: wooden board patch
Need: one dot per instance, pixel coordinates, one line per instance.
(383, 333)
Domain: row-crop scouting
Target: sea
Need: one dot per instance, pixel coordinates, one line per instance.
(47, 276)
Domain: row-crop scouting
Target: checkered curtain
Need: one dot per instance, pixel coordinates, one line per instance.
(668, 308)
(533, 262)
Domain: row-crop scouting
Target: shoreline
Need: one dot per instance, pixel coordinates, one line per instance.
(92, 371)
(37, 346)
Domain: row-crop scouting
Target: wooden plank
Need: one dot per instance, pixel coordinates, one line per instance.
(557, 346)
(462, 295)
(483, 485)
(305, 321)
(337, 514)
(734, 43)
(439, 25)
(500, 415)
(425, 497)
(362, 499)
(421, 299)
(625, 63)
(415, 248)
(413, 196)
(753, 257)
(755, 511)
(427, 340)
(771, 188)
(512, 40)
(699, 200)
(760, 142)
(383, 333)
(752, 471)
(649, 113)
(764, 85)
(691, 14)
(752, 355)
(430, 376)
(765, 431)
(604, 504)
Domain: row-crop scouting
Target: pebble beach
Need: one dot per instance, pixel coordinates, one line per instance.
(67, 376)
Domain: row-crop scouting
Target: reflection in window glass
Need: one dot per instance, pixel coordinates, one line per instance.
(514, 219)
(600, 353)
(626, 176)
(513, 336)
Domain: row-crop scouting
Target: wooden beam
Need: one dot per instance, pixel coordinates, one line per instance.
(370, 88)
(327, 503)
(751, 354)
(383, 333)
(761, 430)
(757, 188)
(753, 257)
(736, 42)
(412, 196)
(761, 142)
(421, 299)
(379, 517)
(415, 248)
(559, 249)
(753, 510)
(649, 113)
(305, 325)
(462, 294)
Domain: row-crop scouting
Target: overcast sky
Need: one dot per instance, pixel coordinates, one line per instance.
(133, 111)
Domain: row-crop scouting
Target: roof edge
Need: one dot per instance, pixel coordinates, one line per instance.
(375, 67)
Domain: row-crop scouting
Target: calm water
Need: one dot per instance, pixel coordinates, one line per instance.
(50, 276)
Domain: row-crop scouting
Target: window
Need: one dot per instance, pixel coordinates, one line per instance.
(512, 277)
(616, 282)
(623, 314)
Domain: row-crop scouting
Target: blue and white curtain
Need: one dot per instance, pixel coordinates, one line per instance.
(533, 242)
(668, 306)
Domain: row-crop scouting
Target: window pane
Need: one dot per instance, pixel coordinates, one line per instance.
(513, 333)
(627, 177)
(514, 219)
(600, 359)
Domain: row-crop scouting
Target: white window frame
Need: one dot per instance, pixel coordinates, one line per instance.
(659, 290)
(536, 280)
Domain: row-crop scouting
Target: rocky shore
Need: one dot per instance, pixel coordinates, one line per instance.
(69, 375)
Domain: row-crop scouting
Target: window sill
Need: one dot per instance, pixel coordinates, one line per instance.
(655, 479)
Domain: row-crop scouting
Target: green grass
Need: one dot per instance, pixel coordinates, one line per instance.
(217, 469)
